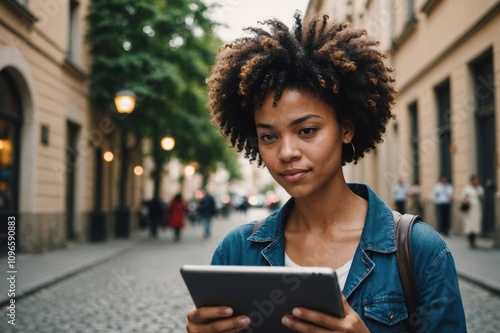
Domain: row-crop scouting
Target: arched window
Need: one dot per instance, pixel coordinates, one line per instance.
(10, 124)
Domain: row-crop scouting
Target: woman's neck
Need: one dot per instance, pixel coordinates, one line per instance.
(339, 209)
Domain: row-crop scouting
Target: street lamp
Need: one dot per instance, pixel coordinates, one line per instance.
(125, 103)
(167, 142)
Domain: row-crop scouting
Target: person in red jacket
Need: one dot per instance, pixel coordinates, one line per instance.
(177, 210)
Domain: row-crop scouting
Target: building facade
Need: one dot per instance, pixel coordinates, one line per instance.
(53, 178)
(446, 56)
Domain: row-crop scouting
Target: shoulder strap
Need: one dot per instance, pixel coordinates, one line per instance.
(404, 224)
(257, 225)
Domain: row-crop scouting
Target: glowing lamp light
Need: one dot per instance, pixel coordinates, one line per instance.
(138, 170)
(168, 142)
(125, 101)
(189, 170)
(108, 156)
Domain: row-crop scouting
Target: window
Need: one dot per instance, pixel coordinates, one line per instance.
(414, 143)
(73, 31)
(443, 102)
(486, 135)
(484, 84)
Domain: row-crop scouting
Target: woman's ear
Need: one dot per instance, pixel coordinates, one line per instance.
(348, 131)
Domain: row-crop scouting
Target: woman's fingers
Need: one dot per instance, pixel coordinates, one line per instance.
(215, 319)
(308, 321)
(305, 320)
(203, 314)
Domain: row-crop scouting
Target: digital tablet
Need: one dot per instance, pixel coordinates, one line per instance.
(265, 294)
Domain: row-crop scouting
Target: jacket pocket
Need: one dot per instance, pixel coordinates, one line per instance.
(386, 311)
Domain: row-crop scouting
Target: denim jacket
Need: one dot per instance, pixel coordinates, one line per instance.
(373, 288)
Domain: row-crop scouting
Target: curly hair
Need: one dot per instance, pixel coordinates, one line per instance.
(336, 63)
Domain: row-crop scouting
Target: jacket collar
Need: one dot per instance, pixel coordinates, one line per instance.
(377, 235)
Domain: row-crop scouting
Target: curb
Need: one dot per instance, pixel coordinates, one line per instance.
(485, 283)
(35, 286)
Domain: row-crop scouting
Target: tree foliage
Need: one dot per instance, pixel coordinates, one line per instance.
(162, 50)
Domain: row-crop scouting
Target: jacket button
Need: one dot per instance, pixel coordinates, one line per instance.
(390, 315)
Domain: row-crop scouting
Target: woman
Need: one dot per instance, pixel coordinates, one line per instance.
(473, 194)
(304, 103)
(176, 213)
(415, 194)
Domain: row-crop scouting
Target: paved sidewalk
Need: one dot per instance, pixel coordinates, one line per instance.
(480, 265)
(36, 271)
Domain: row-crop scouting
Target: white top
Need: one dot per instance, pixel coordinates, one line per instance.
(342, 272)
(442, 193)
(399, 192)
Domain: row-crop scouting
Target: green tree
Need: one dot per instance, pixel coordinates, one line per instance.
(163, 50)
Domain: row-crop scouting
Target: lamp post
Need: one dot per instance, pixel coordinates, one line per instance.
(125, 103)
(167, 143)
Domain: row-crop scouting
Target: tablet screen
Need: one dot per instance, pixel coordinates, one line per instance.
(265, 294)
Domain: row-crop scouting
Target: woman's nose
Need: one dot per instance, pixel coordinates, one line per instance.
(289, 150)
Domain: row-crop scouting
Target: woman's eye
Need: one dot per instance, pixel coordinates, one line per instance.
(308, 131)
(267, 137)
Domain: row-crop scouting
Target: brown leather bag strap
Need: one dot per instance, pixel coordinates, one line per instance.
(257, 225)
(404, 224)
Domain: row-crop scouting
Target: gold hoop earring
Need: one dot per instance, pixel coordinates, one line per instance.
(353, 151)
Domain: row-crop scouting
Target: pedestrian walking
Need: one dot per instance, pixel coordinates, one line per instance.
(472, 196)
(415, 194)
(443, 195)
(206, 209)
(177, 215)
(399, 195)
(157, 213)
(304, 102)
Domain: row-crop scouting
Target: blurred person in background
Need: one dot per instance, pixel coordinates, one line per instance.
(157, 211)
(176, 215)
(415, 195)
(473, 194)
(399, 194)
(443, 195)
(206, 209)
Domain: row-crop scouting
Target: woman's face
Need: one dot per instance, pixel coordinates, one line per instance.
(300, 142)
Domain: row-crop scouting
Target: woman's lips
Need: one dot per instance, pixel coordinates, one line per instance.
(294, 175)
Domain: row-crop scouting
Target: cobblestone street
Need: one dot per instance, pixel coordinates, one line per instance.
(142, 290)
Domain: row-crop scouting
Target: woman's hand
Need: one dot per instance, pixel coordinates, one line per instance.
(309, 321)
(212, 319)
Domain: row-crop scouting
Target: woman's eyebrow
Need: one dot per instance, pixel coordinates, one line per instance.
(302, 119)
(294, 122)
(265, 126)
